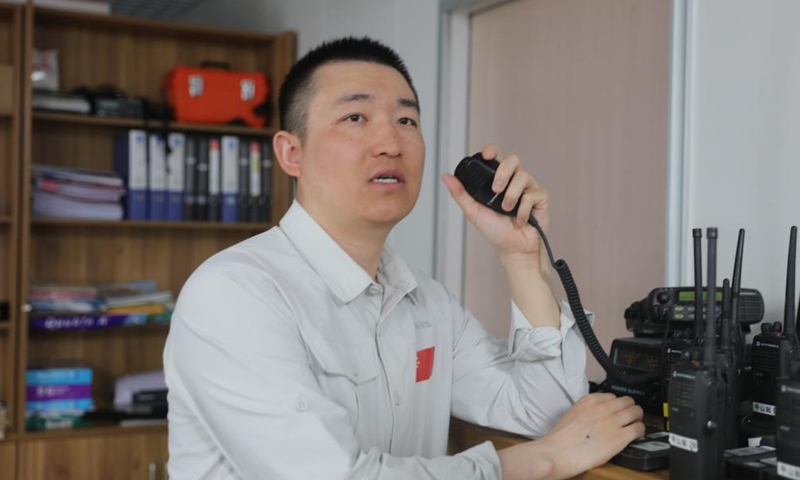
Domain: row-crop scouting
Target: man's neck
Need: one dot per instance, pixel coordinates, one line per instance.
(363, 243)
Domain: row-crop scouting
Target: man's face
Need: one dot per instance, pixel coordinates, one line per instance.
(363, 153)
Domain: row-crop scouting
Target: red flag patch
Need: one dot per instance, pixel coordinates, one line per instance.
(424, 364)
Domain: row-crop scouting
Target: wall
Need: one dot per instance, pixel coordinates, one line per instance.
(742, 157)
(409, 26)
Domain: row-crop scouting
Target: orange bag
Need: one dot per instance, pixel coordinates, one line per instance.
(216, 95)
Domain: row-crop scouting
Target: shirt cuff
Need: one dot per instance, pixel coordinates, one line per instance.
(531, 344)
(485, 461)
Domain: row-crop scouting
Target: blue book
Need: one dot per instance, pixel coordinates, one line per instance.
(82, 404)
(130, 161)
(59, 376)
(230, 179)
(84, 321)
(175, 176)
(157, 176)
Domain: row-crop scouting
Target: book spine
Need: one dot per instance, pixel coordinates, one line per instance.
(201, 185)
(255, 180)
(230, 178)
(265, 204)
(84, 322)
(157, 191)
(72, 404)
(175, 176)
(130, 159)
(245, 200)
(214, 180)
(59, 376)
(190, 179)
(35, 393)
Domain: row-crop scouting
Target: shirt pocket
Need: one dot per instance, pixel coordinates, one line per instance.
(347, 374)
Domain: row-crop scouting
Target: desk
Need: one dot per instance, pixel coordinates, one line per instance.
(465, 435)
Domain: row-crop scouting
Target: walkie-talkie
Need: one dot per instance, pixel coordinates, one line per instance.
(697, 399)
(728, 372)
(675, 349)
(787, 436)
(773, 347)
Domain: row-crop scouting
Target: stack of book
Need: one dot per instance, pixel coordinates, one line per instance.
(57, 397)
(81, 307)
(64, 192)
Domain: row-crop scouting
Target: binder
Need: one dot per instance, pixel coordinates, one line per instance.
(157, 175)
(214, 177)
(264, 209)
(201, 179)
(130, 161)
(230, 179)
(189, 178)
(175, 176)
(245, 202)
(255, 181)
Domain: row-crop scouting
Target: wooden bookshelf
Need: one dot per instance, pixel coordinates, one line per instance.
(11, 28)
(134, 55)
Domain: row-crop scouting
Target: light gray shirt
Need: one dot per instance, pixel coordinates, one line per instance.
(285, 360)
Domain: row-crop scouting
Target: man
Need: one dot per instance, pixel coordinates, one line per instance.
(312, 351)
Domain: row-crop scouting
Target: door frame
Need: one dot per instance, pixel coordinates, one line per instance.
(452, 143)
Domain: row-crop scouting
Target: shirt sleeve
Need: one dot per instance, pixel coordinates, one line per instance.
(524, 384)
(236, 364)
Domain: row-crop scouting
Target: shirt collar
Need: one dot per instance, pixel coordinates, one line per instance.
(345, 278)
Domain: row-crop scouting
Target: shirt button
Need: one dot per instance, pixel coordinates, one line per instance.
(397, 399)
(373, 290)
(301, 405)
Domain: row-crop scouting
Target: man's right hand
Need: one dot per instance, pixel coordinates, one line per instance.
(598, 427)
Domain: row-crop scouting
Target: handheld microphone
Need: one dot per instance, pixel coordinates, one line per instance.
(477, 176)
(697, 399)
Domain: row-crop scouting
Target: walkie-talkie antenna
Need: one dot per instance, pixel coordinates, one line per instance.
(788, 310)
(710, 348)
(725, 319)
(736, 283)
(788, 338)
(697, 234)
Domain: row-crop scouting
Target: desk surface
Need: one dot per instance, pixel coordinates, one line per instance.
(465, 435)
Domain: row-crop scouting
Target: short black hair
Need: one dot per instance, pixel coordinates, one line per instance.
(296, 91)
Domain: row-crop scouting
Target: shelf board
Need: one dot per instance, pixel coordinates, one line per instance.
(6, 113)
(116, 122)
(5, 326)
(99, 430)
(5, 220)
(152, 225)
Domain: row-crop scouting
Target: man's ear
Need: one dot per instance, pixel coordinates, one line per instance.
(287, 149)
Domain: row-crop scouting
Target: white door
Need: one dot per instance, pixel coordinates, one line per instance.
(580, 90)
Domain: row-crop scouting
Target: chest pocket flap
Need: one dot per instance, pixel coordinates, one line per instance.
(357, 362)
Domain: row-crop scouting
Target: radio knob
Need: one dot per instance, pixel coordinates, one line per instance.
(662, 297)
